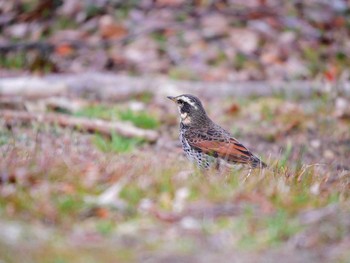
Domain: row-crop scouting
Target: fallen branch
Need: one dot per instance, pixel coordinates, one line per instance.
(112, 87)
(31, 87)
(91, 125)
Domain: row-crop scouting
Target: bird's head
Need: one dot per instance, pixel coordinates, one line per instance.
(191, 110)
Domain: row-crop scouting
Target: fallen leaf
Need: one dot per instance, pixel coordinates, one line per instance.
(64, 50)
(110, 29)
(233, 109)
(102, 212)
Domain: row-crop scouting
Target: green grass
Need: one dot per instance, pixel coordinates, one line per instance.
(240, 61)
(105, 227)
(145, 97)
(98, 111)
(140, 119)
(314, 58)
(4, 137)
(280, 227)
(116, 143)
(179, 72)
(286, 155)
(132, 194)
(13, 61)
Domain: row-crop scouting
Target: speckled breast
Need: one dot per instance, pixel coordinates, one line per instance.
(202, 160)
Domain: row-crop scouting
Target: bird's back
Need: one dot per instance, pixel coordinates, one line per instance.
(215, 141)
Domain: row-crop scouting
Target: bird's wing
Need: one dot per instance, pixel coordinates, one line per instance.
(221, 144)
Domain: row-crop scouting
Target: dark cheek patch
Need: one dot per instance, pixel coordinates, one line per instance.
(185, 108)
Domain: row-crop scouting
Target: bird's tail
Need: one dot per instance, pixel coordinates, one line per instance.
(257, 163)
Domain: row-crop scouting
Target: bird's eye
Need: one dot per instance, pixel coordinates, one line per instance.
(180, 102)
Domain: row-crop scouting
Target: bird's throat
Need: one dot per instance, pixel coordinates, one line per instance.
(185, 119)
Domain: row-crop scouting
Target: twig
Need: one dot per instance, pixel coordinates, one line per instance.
(90, 125)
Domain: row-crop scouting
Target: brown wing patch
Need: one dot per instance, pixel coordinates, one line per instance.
(230, 150)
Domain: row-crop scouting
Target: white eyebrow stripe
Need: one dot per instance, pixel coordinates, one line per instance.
(189, 101)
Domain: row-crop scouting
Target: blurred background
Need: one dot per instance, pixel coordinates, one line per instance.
(91, 168)
(193, 40)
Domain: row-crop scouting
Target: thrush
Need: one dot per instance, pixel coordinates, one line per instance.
(204, 142)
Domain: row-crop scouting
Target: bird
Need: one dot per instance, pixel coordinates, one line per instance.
(204, 142)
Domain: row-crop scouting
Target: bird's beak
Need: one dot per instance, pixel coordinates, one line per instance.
(172, 98)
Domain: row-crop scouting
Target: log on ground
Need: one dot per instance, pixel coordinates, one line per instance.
(125, 129)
